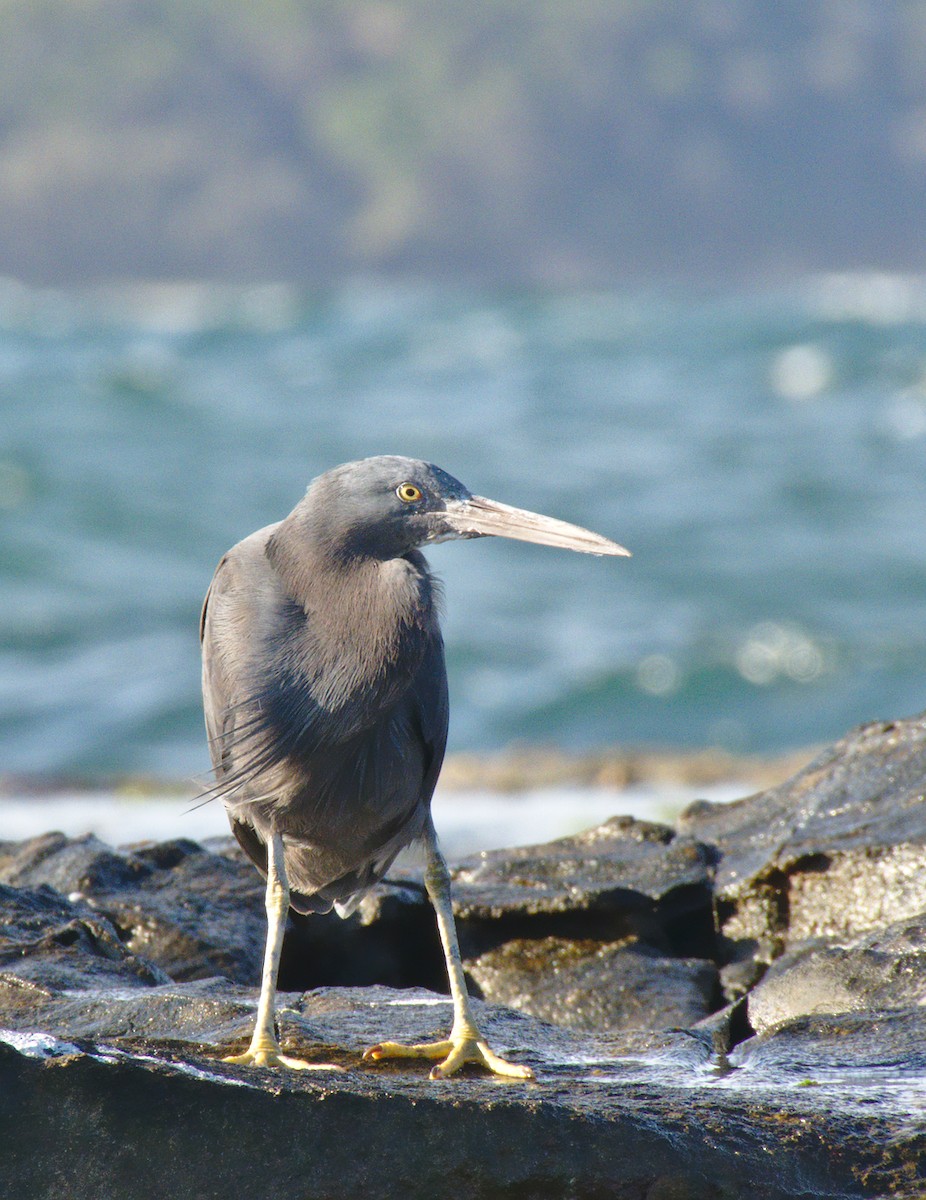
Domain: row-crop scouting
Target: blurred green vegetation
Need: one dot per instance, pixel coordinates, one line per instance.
(536, 140)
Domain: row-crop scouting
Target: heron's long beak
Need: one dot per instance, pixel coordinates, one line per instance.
(478, 517)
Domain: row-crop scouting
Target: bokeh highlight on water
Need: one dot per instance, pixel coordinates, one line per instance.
(761, 453)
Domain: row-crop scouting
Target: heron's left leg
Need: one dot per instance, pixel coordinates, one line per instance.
(465, 1043)
(264, 1050)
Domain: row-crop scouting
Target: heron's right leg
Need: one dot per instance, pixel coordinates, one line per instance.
(465, 1043)
(264, 1050)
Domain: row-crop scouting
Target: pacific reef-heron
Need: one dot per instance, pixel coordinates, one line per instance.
(325, 696)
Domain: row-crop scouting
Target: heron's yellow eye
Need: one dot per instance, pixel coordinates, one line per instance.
(408, 493)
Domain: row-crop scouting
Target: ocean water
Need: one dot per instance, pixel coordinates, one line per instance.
(761, 453)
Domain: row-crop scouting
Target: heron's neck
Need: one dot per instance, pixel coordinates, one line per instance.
(359, 603)
(367, 629)
(370, 597)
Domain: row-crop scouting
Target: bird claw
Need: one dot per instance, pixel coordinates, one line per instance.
(272, 1056)
(454, 1052)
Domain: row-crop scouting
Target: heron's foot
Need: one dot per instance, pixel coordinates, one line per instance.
(268, 1054)
(455, 1051)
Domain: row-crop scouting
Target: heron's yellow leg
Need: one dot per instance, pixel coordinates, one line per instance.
(465, 1044)
(264, 1050)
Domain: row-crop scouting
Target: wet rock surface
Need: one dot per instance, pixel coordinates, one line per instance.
(733, 1007)
(882, 970)
(194, 912)
(46, 940)
(641, 1114)
(622, 867)
(836, 851)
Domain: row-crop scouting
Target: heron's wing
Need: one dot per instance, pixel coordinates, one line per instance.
(430, 710)
(215, 701)
(242, 592)
(226, 631)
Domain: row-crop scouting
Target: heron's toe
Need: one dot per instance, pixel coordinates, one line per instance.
(453, 1053)
(400, 1050)
(475, 1050)
(272, 1056)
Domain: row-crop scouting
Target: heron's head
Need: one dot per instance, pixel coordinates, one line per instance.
(386, 506)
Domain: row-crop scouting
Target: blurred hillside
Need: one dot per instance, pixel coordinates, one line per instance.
(524, 140)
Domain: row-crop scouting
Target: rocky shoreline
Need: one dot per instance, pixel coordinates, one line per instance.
(731, 1006)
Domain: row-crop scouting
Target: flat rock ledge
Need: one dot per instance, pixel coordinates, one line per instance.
(734, 1007)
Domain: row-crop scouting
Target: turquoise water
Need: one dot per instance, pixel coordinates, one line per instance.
(761, 453)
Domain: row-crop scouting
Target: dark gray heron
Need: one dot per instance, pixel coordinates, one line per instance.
(325, 695)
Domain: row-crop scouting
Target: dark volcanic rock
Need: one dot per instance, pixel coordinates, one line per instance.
(392, 939)
(69, 865)
(856, 814)
(882, 970)
(873, 1050)
(597, 986)
(48, 941)
(622, 867)
(641, 1115)
(835, 852)
(808, 903)
(863, 793)
(193, 912)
